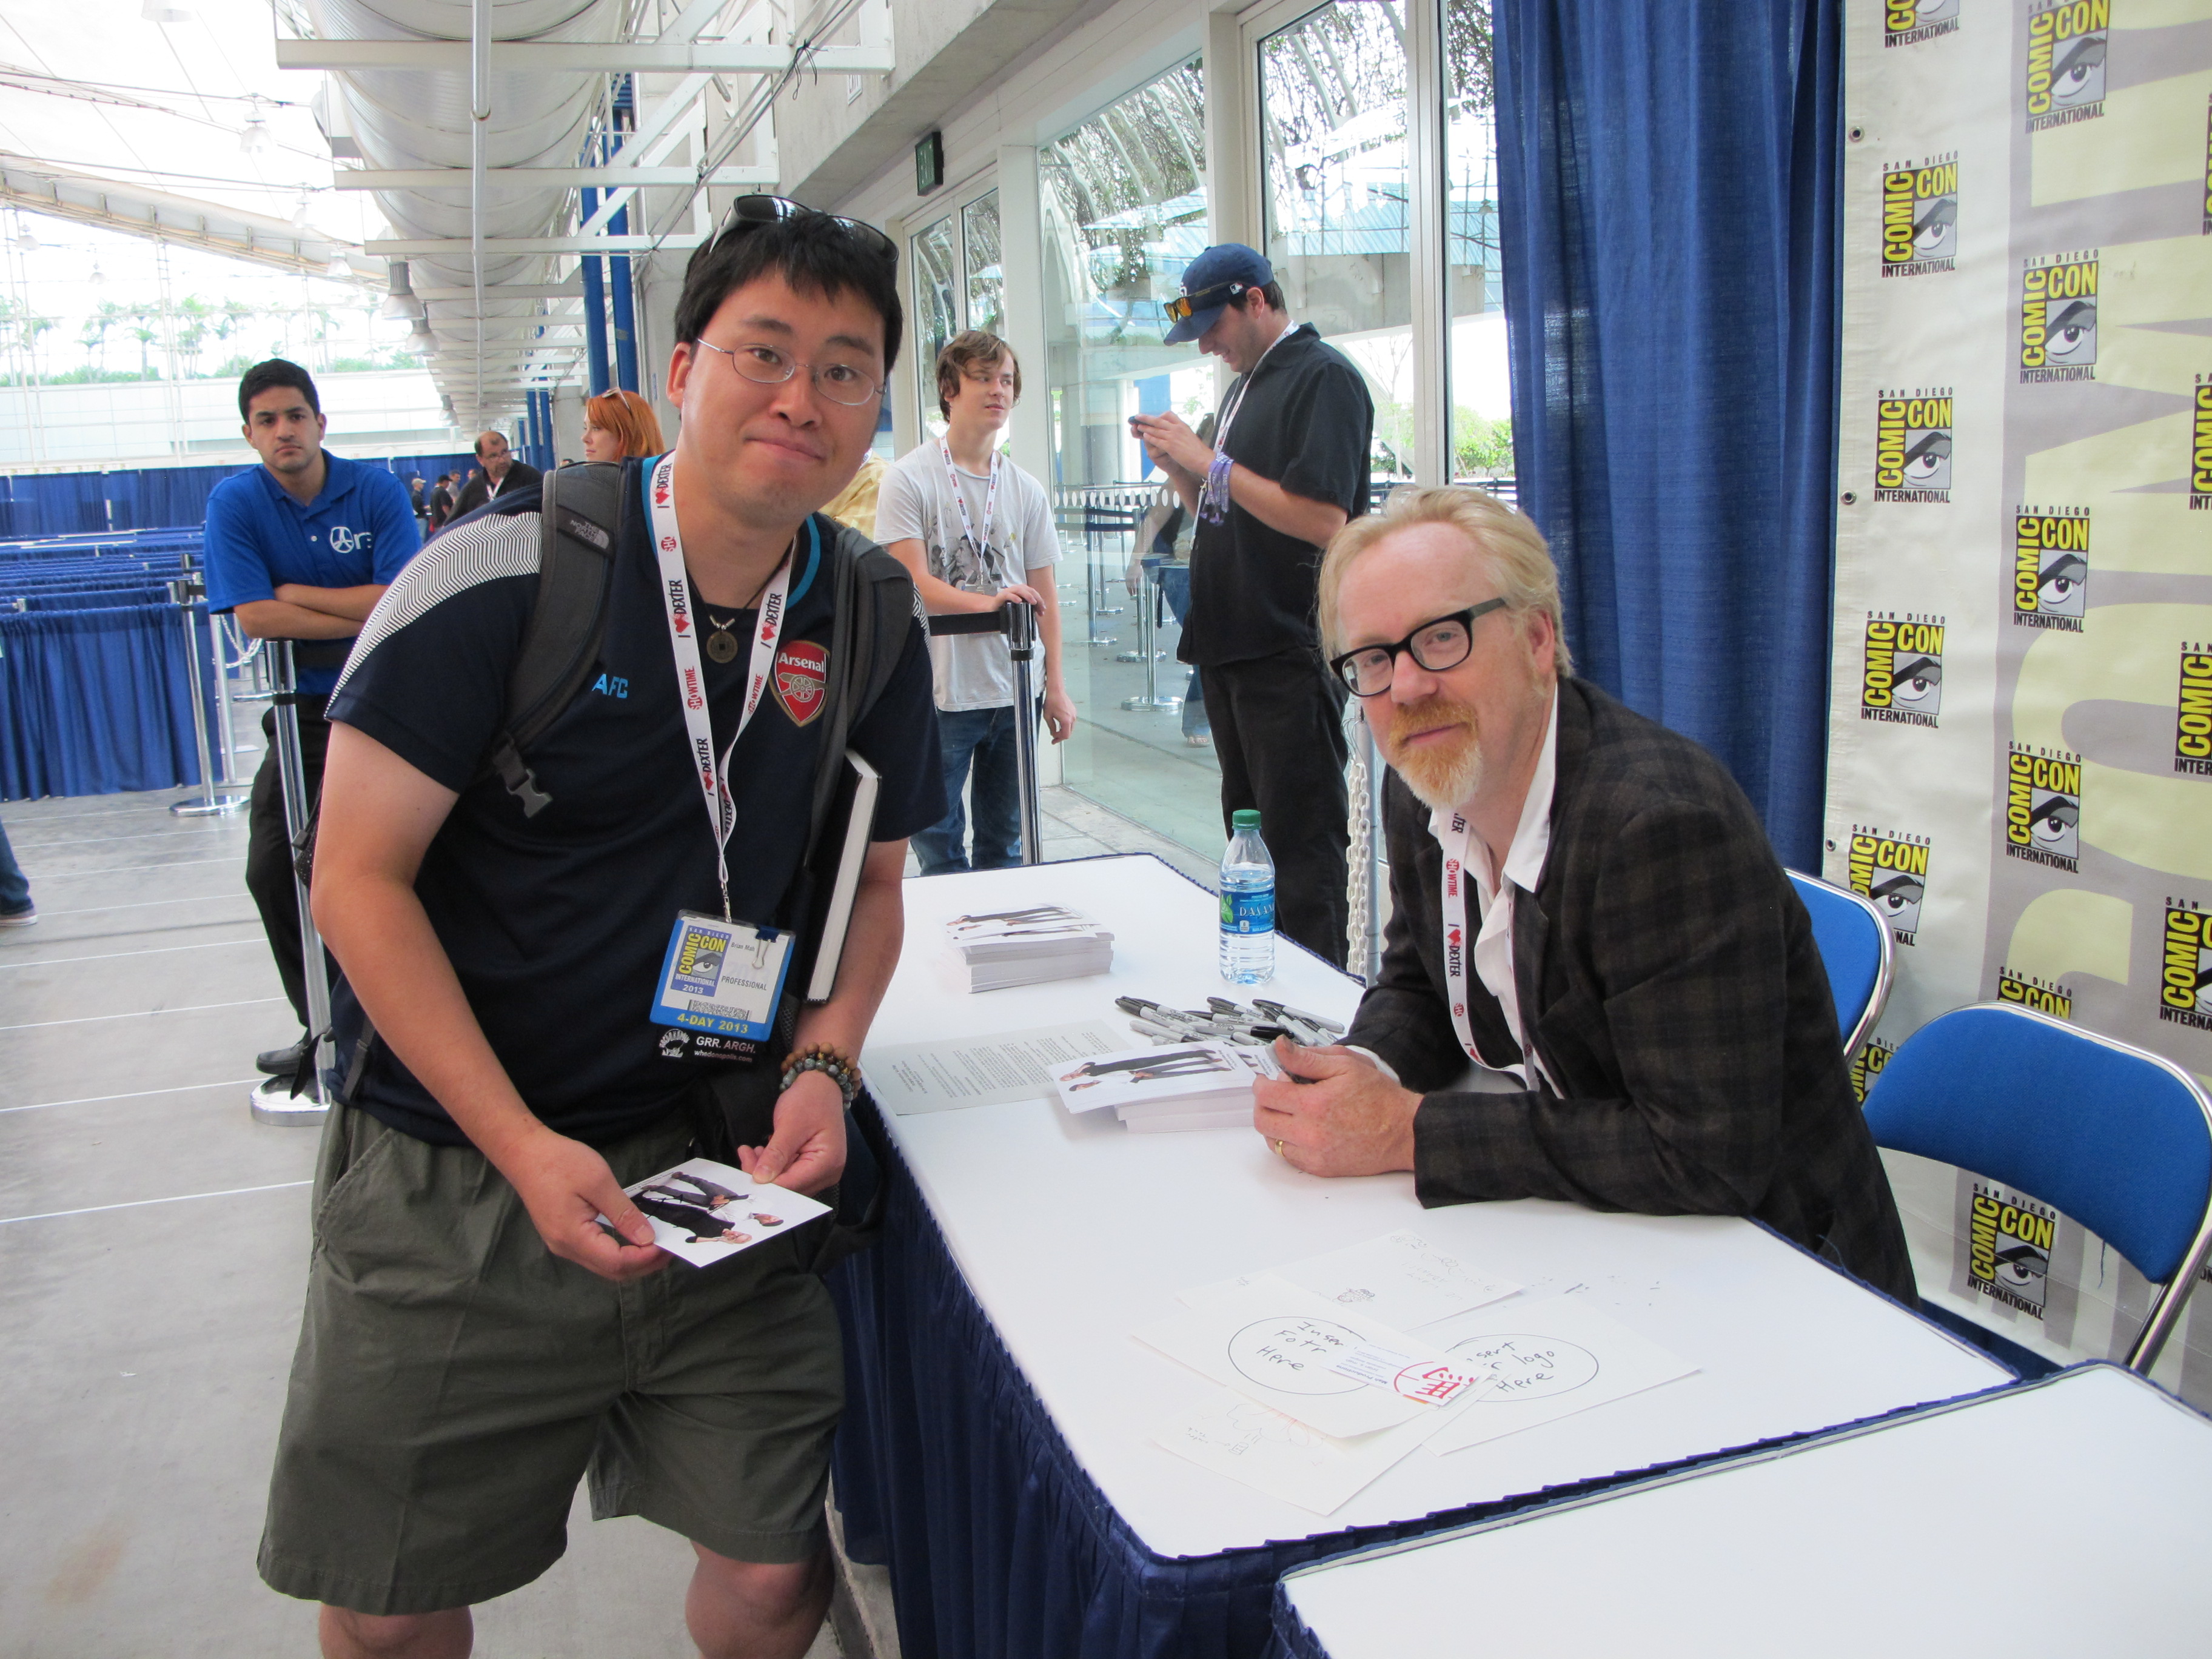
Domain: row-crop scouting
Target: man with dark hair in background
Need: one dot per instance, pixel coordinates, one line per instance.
(501, 472)
(1287, 469)
(442, 500)
(301, 548)
(475, 1340)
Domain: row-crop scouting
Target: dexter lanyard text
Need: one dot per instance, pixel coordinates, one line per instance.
(983, 543)
(714, 773)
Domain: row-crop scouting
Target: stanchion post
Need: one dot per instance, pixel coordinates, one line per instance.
(273, 1101)
(1021, 637)
(1147, 608)
(184, 594)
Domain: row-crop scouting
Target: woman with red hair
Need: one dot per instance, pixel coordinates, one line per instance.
(620, 424)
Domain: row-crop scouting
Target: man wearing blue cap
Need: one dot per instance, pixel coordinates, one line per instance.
(1286, 471)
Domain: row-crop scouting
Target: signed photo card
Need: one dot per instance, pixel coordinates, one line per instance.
(703, 1212)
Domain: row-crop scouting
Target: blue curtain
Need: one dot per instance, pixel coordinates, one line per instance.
(1667, 204)
(94, 702)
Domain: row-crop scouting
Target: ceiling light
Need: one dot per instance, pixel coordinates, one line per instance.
(159, 11)
(300, 213)
(25, 242)
(400, 301)
(255, 139)
(340, 268)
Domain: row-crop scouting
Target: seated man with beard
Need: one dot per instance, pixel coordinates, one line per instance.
(1585, 907)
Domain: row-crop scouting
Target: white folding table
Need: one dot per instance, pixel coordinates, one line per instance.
(2066, 1515)
(1069, 1233)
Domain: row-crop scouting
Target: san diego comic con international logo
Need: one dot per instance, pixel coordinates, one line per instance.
(2009, 1248)
(2192, 714)
(2185, 988)
(2059, 317)
(1908, 23)
(2200, 447)
(2066, 62)
(2050, 567)
(1912, 446)
(2043, 807)
(2029, 992)
(1903, 681)
(1867, 1064)
(1892, 870)
(1920, 216)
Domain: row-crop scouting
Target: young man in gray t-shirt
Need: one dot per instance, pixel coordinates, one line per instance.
(976, 533)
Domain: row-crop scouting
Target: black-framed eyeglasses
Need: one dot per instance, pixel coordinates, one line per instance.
(1180, 308)
(767, 365)
(1438, 644)
(751, 212)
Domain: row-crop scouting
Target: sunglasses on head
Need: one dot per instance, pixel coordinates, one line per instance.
(1181, 308)
(751, 212)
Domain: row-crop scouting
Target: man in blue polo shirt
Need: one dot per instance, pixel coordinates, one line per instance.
(302, 548)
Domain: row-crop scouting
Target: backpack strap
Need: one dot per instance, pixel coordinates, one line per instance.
(580, 517)
(875, 606)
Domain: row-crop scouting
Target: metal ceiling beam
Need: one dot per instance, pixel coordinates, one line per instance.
(456, 246)
(569, 290)
(180, 220)
(544, 57)
(611, 176)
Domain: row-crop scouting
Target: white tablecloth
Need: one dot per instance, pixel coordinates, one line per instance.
(1072, 1233)
(2061, 1517)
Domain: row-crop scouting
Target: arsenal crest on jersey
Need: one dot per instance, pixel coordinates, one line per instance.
(802, 676)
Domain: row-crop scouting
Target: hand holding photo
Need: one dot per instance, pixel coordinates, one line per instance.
(703, 1211)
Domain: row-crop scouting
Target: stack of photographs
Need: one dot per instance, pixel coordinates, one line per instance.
(1027, 946)
(1180, 1085)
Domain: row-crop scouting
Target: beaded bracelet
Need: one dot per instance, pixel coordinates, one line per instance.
(832, 1062)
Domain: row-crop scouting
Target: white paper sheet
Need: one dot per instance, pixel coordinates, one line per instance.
(711, 1212)
(1398, 1279)
(1549, 1359)
(1276, 1343)
(989, 1071)
(1282, 1457)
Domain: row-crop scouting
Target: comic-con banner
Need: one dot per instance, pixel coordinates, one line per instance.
(2020, 741)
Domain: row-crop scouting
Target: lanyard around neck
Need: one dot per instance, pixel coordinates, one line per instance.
(982, 545)
(714, 774)
(1235, 405)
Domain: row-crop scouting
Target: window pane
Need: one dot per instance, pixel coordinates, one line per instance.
(1124, 206)
(1333, 91)
(936, 306)
(1481, 397)
(979, 227)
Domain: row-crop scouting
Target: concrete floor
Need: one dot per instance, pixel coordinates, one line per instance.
(153, 1251)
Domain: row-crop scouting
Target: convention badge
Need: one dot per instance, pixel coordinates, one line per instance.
(723, 978)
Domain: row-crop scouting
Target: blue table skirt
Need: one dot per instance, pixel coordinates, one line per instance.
(949, 1472)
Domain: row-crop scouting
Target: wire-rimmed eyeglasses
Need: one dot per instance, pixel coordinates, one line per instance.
(1438, 644)
(768, 365)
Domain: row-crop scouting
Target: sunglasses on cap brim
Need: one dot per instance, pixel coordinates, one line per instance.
(752, 212)
(1181, 307)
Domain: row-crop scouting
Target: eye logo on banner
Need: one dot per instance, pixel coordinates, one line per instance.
(1912, 446)
(1904, 677)
(2066, 63)
(1908, 23)
(1920, 217)
(2058, 318)
(2009, 1248)
(2050, 567)
(2200, 448)
(2043, 807)
(1892, 870)
(2192, 716)
(2030, 991)
(1867, 1064)
(2186, 979)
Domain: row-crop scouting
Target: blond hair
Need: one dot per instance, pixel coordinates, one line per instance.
(1519, 562)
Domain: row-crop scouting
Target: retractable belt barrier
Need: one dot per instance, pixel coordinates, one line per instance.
(1017, 620)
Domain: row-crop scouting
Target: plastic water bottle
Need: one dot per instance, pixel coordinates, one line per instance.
(1247, 906)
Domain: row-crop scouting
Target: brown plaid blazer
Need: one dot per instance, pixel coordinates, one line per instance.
(1669, 981)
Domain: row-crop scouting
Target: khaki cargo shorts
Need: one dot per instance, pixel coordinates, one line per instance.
(455, 1379)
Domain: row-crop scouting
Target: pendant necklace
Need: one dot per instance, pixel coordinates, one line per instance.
(722, 644)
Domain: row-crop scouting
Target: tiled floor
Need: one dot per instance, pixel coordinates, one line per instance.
(152, 1248)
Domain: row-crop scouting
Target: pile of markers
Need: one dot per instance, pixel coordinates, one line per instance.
(1224, 1021)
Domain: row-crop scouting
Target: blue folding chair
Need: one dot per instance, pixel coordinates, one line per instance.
(1856, 949)
(2116, 1137)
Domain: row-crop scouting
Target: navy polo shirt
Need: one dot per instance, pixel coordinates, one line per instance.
(361, 529)
(556, 924)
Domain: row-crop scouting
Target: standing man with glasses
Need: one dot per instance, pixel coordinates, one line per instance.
(476, 1341)
(1631, 1013)
(976, 531)
(1286, 469)
(501, 472)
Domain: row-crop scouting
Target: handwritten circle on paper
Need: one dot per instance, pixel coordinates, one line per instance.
(1524, 1367)
(1293, 1355)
